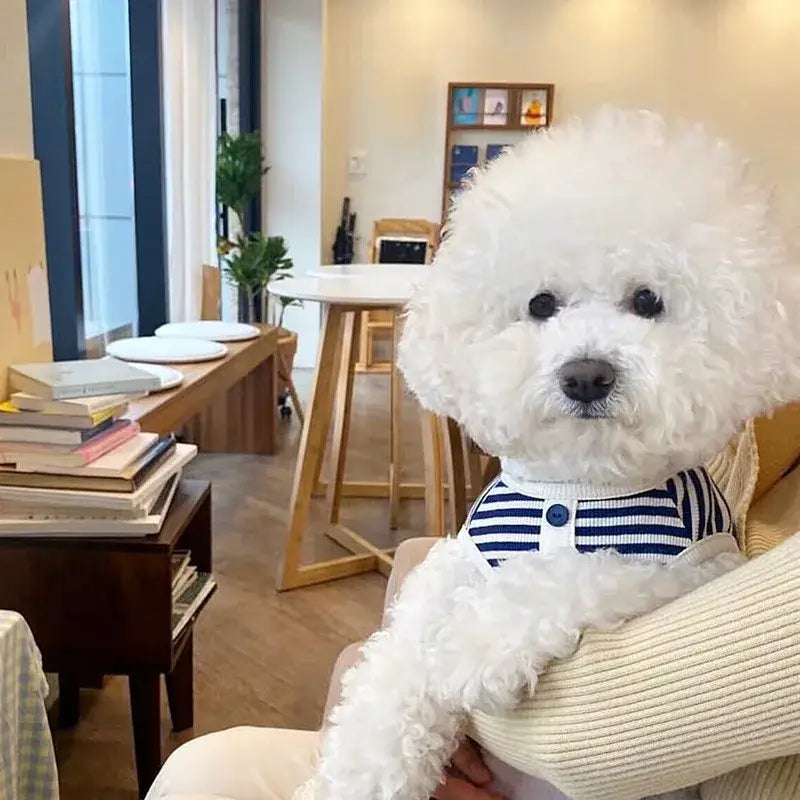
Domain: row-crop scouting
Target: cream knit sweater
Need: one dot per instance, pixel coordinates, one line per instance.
(674, 698)
(706, 686)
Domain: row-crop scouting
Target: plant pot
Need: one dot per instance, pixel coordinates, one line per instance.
(287, 349)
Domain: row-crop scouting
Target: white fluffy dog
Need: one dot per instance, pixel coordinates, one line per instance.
(606, 311)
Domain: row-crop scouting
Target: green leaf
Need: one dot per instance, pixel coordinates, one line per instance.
(257, 260)
(240, 165)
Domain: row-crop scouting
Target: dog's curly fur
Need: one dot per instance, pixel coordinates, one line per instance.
(590, 212)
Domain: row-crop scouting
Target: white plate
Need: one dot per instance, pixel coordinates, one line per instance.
(163, 350)
(213, 330)
(169, 377)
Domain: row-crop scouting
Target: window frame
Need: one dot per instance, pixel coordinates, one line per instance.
(54, 147)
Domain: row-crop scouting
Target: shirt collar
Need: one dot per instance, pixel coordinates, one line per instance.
(514, 474)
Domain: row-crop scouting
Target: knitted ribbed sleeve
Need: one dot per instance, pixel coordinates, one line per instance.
(706, 685)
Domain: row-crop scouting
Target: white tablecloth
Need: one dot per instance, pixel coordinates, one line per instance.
(27, 760)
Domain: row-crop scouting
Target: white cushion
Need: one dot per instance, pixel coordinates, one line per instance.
(244, 763)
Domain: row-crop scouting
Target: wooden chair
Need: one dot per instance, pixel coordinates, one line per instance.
(380, 324)
(456, 471)
(211, 305)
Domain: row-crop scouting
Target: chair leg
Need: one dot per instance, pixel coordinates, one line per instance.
(395, 413)
(456, 477)
(434, 473)
(286, 377)
(475, 468)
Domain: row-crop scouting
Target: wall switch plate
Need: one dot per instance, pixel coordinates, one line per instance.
(357, 163)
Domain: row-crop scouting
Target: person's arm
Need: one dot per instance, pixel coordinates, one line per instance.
(705, 685)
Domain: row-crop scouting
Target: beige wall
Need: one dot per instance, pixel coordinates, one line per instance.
(16, 132)
(732, 63)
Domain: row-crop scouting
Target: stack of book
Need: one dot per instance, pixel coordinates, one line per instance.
(71, 463)
(189, 589)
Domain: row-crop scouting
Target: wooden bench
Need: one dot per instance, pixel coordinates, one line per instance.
(223, 406)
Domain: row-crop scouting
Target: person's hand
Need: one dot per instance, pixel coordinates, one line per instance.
(468, 777)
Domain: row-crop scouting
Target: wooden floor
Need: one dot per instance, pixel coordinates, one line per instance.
(260, 658)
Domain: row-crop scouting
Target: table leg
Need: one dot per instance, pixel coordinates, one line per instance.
(180, 688)
(344, 403)
(434, 473)
(395, 412)
(69, 700)
(312, 445)
(145, 695)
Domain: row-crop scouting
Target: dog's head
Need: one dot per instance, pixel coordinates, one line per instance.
(611, 302)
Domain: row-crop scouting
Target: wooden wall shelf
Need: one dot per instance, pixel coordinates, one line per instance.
(523, 108)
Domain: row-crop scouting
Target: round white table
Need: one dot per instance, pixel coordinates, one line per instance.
(344, 293)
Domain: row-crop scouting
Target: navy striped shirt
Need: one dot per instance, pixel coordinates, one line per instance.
(657, 524)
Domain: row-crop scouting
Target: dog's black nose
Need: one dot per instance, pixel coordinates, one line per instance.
(587, 379)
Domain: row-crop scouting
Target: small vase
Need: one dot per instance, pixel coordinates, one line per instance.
(253, 307)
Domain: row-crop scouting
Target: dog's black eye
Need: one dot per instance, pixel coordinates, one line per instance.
(543, 305)
(646, 303)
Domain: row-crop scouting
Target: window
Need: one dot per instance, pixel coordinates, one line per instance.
(96, 90)
(101, 79)
(97, 114)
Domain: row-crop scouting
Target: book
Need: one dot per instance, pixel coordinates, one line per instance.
(185, 580)
(27, 434)
(26, 508)
(109, 501)
(11, 415)
(464, 154)
(494, 150)
(495, 106)
(465, 106)
(533, 108)
(77, 406)
(121, 431)
(80, 527)
(102, 475)
(459, 172)
(184, 572)
(62, 380)
(11, 451)
(179, 560)
(185, 608)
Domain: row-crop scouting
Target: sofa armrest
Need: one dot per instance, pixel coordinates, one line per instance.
(774, 517)
(409, 553)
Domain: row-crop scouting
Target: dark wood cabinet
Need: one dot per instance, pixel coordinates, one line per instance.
(103, 606)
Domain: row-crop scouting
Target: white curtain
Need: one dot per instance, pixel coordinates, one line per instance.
(190, 134)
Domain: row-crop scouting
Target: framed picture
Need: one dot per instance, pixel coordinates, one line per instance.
(466, 106)
(495, 107)
(533, 109)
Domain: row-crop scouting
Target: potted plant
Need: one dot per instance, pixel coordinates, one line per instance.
(250, 260)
